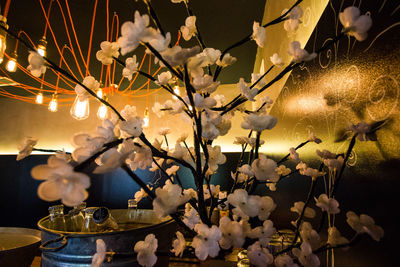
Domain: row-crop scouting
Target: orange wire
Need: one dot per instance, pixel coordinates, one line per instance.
(48, 15)
(91, 38)
(6, 8)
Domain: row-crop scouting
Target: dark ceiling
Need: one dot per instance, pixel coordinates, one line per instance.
(221, 23)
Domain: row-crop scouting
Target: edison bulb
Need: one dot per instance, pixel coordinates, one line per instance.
(99, 93)
(102, 112)
(41, 48)
(80, 109)
(176, 91)
(3, 35)
(53, 105)
(39, 98)
(11, 65)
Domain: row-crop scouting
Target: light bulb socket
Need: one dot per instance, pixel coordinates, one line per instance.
(42, 42)
(14, 55)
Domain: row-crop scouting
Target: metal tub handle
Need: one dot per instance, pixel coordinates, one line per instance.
(62, 238)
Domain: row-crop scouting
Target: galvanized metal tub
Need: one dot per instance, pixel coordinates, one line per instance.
(61, 249)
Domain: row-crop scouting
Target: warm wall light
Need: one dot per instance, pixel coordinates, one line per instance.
(102, 112)
(146, 118)
(3, 35)
(12, 63)
(39, 98)
(53, 105)
(41, 48)
(80, 109)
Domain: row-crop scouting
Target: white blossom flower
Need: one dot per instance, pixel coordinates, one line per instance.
(109, 161)
(205, 84)
(313, 138)
(36, 64)
(364, 224)
(139, 195)
(133, 33)
(131, 127)
(354, 24)
(244, 204)
(335, 237)
(191, 216)
(267, 205)
(164, 78)
(284, 261)
(61, 182)
(305, 255)
(107, 52)
(334, 164)
(326, 154)
(86, 145)
(266, 101)
(259, 256)
(220, 99)
(100, 255)
(293, 21)
(226, 60)
(215, 157)
(282, 170)
(276, 60)
(160, 42)
(246, 169)
(179, 151)
(232, 233)
(205, 242)
(330, 205)
(131, 66)
(172, 170)
(294, 155)
(298, 207)
(146, 251)
(189, 29)
(361, 129)
(168, 199)
(264, 169)
(177, 55)
(143, 158)
(307, 171)
(25, 148)
(308, 234)
(90, 83)
(182, 137)
(215, 190)
(259, 122)
(210, 56)
(246, 91)
(178, 245)
(258, 34)
(263, 233)
(299, 54)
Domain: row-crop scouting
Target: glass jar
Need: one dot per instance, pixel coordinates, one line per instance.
(76, 218)
(89, 225)
(57, 219)
(104, 220)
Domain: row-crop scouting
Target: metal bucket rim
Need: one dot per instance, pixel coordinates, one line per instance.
(168, 220)
(32, 232)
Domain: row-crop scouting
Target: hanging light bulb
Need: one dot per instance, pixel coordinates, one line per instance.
(41, 48)
(146, 119)
(177, 91)
(102, 112)
(3, 35)
(12, 62)
(53, 105)
(190, 108)
(39, 98)
(80, 109)
(99, 93)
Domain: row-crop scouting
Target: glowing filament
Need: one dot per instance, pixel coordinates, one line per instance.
(99, 93)
(11, 65)
(102, 112)
(39, 98)
(146, 119)
(176, 91)
(53, 105)
(80, 109)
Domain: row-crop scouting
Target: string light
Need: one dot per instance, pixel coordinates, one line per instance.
(3, 35)
(41, 48)
(99, 93)
(80, 109)
(146, 119)
(12, 62)
(39, 98)
(53, 105)
(177, 91)
(102, 112)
